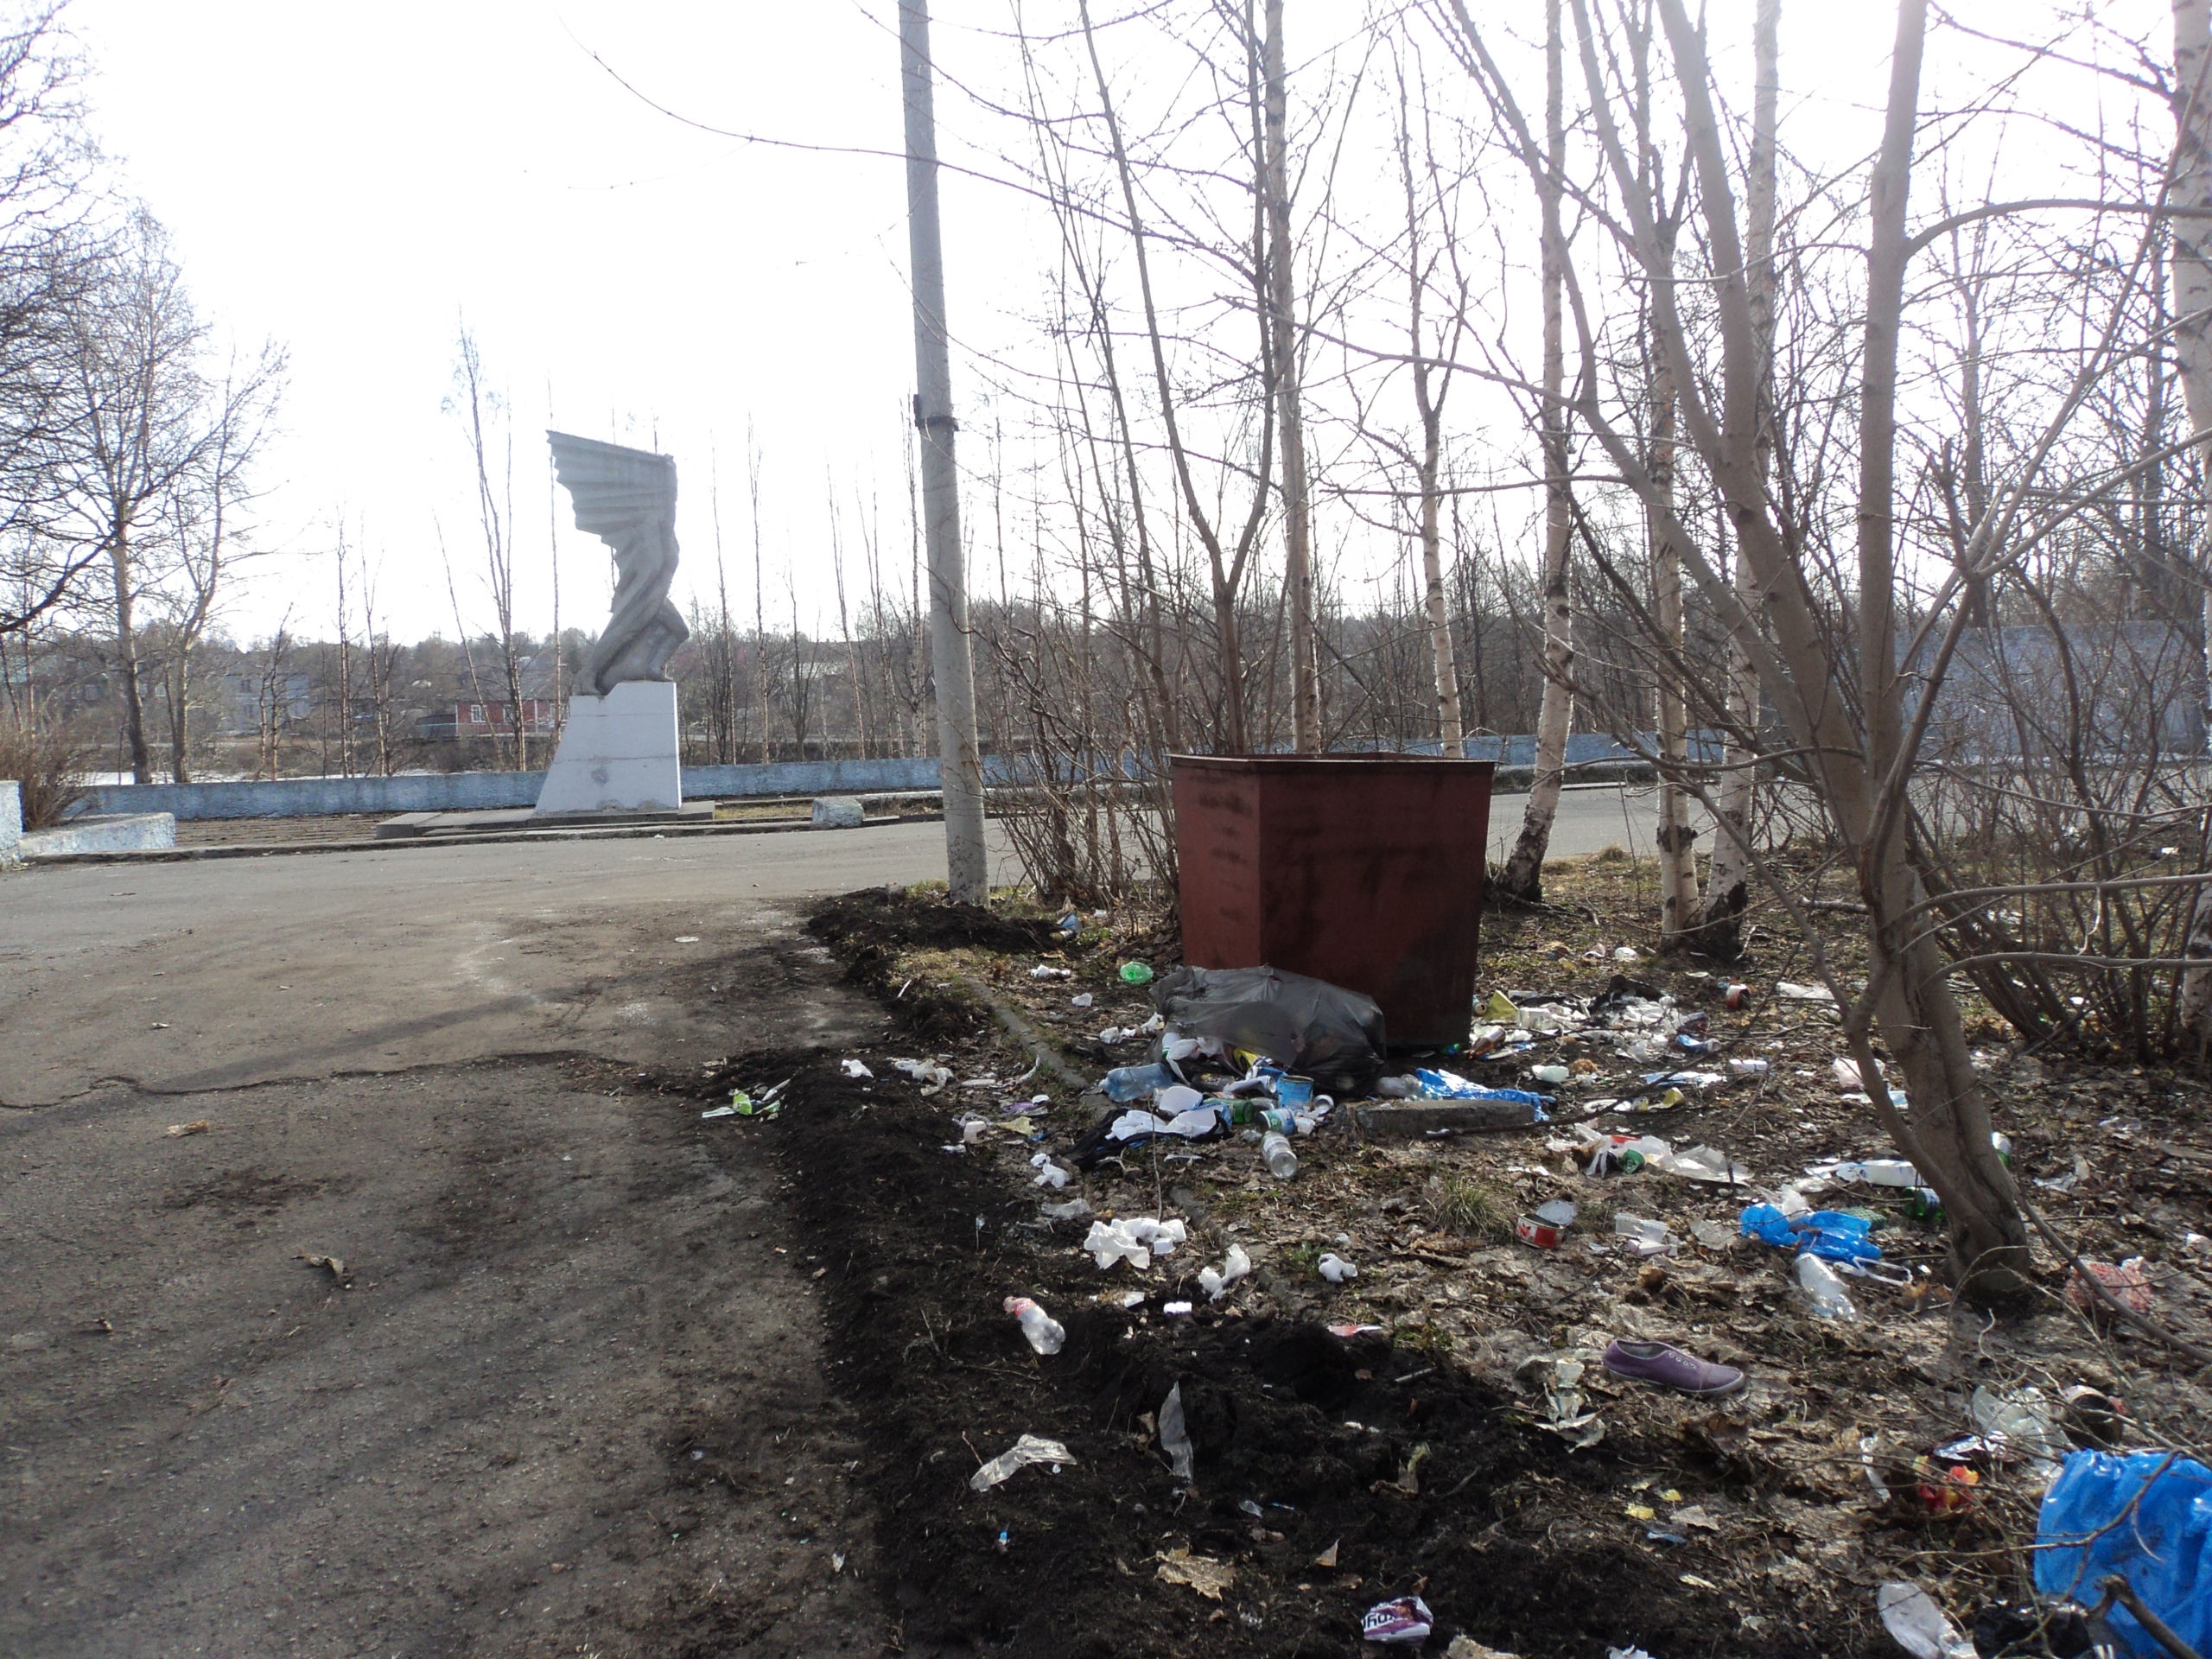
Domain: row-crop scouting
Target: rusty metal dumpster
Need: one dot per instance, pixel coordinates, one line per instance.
(1365, 870)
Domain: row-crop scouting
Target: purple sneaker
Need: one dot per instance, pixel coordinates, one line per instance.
(1407, 1619)
(1664, 1363)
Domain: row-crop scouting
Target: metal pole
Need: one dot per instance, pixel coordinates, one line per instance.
(959, 761)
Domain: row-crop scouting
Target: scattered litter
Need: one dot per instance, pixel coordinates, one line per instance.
(1346, 1329)
(923, 1071)
(687, 939)
(1702, 1164)
(1136, 973)
(730, 1111)
(1627, 953)
(1136, 1239)
(1789, 993)
(1175, 1310)
(1175, 1437)
(1550, 1074)
(1920, 1627)
(2071, 1179)
(1045, 1333)
(1407, 1619)
(198, 1126)
(1215, 1281)
(1749, 1068)
(856, 1068)
(1073, 1210)
(1047, 970)
(1822, 1291)
(2126, 1284)
(2093, 1418)
(1027, 1450)
(1334, 1268)
(333, 1265)
(1083, 1001)
(1559, 1381)
(2018, 1424)
(1642, 1237)
(1202, 1573)
(1685, 1080)
(1049, 1175)
(1712, 1234)
(1328, 1557)
(1465, 1647)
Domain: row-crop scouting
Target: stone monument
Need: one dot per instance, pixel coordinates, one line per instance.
(619, 751)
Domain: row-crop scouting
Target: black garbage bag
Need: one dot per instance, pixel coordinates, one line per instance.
(1307, 1026)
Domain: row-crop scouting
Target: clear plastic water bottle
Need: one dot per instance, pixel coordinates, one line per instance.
(1045, 1332)
(1276, 1152)
(1822, 1290)
(1127, 1083)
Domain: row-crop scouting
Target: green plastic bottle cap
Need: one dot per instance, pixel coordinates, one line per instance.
(1136, 973)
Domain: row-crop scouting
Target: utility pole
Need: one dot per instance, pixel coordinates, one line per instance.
(959, 762)
(1298, 532)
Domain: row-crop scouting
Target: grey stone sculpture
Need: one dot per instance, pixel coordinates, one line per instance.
(628, 499)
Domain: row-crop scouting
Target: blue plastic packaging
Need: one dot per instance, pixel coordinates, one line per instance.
(2164, 1549)
(1832, 1234)
(1450, 1085)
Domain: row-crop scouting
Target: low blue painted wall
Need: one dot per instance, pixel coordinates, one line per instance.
(478, 791)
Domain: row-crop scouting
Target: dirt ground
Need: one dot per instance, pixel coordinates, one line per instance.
(1334, 1472)
(484, 1433)
(594, 1375)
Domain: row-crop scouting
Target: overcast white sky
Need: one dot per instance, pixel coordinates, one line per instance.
(353, 181)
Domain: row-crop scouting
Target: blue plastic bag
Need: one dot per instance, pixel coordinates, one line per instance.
(1832, 1234)
(2164, 1548)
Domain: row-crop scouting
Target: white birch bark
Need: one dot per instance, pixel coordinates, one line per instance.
(2192, 269)
(1522, 876)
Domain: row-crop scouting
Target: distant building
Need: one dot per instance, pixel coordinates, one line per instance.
(489, 718)
(243, 691)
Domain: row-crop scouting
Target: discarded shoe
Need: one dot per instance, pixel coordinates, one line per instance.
(1664, 1363)
(1405, 1620)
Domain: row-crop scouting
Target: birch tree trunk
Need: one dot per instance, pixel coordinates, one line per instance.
(1522, 877)
(1728, 884)
(2192, 266)
(1677, 841)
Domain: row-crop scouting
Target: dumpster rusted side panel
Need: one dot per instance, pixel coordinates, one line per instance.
(1364, 870)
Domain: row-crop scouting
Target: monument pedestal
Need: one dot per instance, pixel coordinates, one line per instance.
(618, 754)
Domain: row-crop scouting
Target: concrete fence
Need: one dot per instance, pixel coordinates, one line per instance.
(476, 791)
(472, 792)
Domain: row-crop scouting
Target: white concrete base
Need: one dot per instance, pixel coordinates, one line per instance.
(128, 832)
(618, 754)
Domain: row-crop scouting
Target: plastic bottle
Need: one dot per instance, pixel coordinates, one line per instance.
(1045, 1332)
(1879, 1171)
(1276, 1152)
(1823, 1292)
(1127, 1083)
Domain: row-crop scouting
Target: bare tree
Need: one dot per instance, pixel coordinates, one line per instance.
(1523, 876)
(473, 404)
